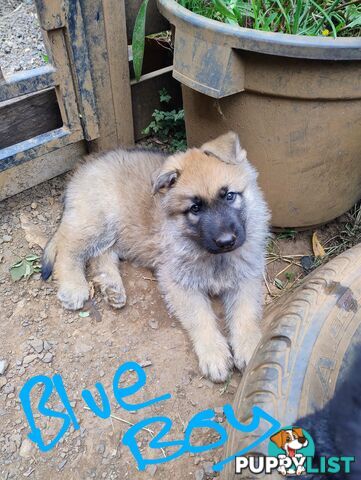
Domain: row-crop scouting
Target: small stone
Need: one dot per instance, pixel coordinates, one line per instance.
(26, 449)
(34, 205)
(43, 315)
(151, 469)
(146, 363)
(199, 474)
(7, 238)
(218, 410)
(62, 464)
(7, 49)
(9, 388)
(48, 357)
(101, 448)
(47, 345)
(153, 324)
(208, 468)
(3, 366)
(37, 344)
(29, 358)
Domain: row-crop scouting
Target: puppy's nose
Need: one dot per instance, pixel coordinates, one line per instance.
(226, 240)
(302, 440)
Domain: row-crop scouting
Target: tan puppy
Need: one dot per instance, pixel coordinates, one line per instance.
(197, 218)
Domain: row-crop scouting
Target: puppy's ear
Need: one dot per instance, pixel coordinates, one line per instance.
(298, 431)
(164, 180)
(227, 148)
(278, 439)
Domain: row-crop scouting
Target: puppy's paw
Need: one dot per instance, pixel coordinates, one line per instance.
(115, 296)
(244, 349)
(216, 362)
(73, 298)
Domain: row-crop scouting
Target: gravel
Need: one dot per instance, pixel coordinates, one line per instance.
(21, 41)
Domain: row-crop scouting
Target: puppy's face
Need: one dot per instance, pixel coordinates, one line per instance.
(290, 440)
(205, 191)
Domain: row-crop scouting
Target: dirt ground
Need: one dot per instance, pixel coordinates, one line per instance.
(21, 42)
(38, 337)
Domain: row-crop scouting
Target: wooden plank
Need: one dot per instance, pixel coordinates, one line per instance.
(155, 22)
(37, 146)
(52, 13)
(28, 117)
(110, 73)
(81, 71)
(29, 81)
(65, 91)
(115, 30)
(38, 170)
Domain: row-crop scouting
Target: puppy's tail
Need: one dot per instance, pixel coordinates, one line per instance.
(47, 262)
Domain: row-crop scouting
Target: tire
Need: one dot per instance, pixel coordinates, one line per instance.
(309, 336)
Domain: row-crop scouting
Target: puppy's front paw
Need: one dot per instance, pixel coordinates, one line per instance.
(244, 349)
(216, 362)
(73, 298)
(115, 296)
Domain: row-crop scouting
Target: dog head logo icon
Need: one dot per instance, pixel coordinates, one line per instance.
(291, 445)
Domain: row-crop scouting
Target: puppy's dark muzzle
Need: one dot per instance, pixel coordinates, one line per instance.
(226, 241)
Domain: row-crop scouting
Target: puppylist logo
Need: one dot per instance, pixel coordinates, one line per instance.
(291, 452)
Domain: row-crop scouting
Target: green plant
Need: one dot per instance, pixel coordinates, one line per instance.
(168, 125)
(25, 268)
(304, 17)
(138, 40)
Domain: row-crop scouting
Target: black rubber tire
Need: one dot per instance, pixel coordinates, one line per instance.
(295, 368)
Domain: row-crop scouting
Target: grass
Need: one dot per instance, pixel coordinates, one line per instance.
(347, 234)
(287, 272)
(334, 18)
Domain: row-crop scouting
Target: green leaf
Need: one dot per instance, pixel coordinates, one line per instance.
(17, 271)
(138, 40)
(84, 314)
(278, 283)
(32, 257)
(222, 9)
(28, 269)
(164, 96)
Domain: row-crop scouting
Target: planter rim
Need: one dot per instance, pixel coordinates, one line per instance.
(282, 44)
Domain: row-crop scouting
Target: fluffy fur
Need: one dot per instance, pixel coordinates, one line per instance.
(140, 206)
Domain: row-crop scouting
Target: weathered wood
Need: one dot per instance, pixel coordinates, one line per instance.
(155, 22)
(37, 146)
(26, 175)
(81, 71)
(29, 81)
(52, 13)
(28, 117)
(65, 91)
(110, 73)
(115, 30)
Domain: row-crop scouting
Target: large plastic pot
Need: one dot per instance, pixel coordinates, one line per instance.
(295, 102)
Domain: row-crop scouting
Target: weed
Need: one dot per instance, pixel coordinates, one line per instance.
(168, 125)
(25, 268)
(303, 17)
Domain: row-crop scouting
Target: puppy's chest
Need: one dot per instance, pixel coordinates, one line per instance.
(214, 275)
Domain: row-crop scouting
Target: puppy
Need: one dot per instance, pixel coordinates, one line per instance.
(198, 219)
(290, 441)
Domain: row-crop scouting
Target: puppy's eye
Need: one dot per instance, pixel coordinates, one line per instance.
(231, 196)
(195, 208)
